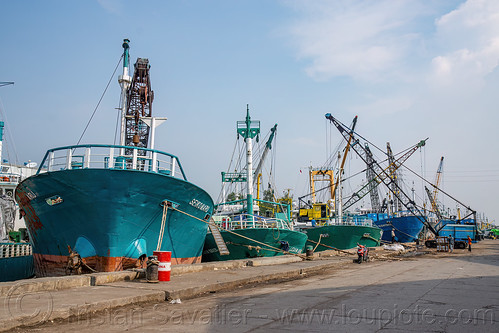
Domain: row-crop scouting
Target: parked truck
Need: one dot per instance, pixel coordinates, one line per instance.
(458, 230)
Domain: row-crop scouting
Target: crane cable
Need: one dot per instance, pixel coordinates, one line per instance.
(220, 199)
(100, 100)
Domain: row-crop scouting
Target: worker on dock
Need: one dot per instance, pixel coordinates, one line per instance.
(469, 243)
(451, 243)
(393, 235)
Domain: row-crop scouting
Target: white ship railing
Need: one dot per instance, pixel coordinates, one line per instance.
(244, 221)
(112, 157)
(352, 220)
(10, 250)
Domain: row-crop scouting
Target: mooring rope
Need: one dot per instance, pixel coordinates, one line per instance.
(278, 233)
(257, 248)
(232, 232)
(371, 237)
(162, 229)
(402, 232)
(333, 248)
(320, 237)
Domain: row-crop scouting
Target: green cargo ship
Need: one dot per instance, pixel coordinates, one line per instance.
(246, 234)
(328, 228)
(263, 238)
(352, 231)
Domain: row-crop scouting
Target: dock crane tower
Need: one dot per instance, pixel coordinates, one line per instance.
(137, 98)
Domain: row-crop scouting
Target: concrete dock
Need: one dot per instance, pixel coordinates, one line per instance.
(431, 292)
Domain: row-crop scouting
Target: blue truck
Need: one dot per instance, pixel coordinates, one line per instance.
(459, 230)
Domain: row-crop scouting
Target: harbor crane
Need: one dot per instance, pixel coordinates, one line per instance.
(380, 175)
(438, 178)
(396, 183)
(373, 183)
(383, 174)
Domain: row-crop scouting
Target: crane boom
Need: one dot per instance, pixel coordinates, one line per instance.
(268, 146)
(434, 205)
(438, 178)
(379, 176)
(372, 182)
(383, 175)
(347, 149)
(393, 174)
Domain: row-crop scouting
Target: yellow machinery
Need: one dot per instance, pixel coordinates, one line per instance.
(319, 212)
(316, 175)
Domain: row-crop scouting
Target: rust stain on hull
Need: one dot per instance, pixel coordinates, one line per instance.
(55, 265)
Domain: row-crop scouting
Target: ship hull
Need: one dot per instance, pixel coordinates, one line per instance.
(342, 237)
(407, 228)
(16, 261)
(16, 268)
(111, 218)
(242, 248)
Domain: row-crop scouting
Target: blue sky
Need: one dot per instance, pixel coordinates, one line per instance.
(408, 69)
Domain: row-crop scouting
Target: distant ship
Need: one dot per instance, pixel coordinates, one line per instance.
(406, 227)
(16, 259)
(101, 207)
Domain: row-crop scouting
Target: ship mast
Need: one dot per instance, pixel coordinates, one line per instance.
(136, 107)
(2, 125)
(136, 103)
(124, 80)
(248, 130)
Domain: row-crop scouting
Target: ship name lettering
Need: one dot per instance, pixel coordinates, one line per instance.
(199, 205)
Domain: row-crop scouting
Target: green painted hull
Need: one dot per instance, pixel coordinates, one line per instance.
(242, 248)
(16, 268)
(342, 237)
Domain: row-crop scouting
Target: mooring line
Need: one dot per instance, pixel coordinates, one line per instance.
(232, 232)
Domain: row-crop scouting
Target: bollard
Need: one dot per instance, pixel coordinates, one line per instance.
(164, 268)
(310, 251)
(152, 269)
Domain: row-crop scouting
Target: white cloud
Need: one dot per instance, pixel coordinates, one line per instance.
(362, 39)
(468, 43)
(380, 106)
(377, 40)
